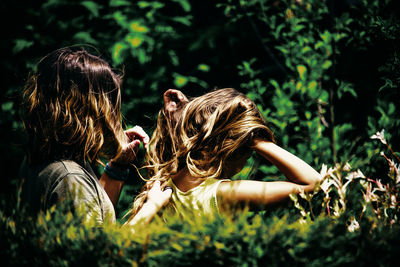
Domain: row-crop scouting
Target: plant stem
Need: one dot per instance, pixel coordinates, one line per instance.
(332, 87)
(332, 124)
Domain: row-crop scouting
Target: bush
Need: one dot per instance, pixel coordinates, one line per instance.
(349, 219)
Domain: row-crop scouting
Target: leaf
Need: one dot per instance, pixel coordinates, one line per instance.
(183, 20)
(312, 85)
(176, 246)
(118, 3)
(180, 80)
(305, 49)
(203, 67)
(7, 106)
(134, 40)
(20, 45)
(154, 5)
(85, 37)
(326, 36)
(120, 18)
(174, 58)
(117, 51)
(219, 245)
(298, 28)
(326, 64)
(92, 7)
(184, 4)
(136, 26)
(318, 45)
(301, 69)
(299, 85)
(274, 83)
(282, 49)
(142, 56)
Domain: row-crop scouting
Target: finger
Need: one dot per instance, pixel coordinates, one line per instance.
(137, 132)
(173, 94)
(172, 98)
(167, 194)
(143, 135)
(168, 187)
(133, 146)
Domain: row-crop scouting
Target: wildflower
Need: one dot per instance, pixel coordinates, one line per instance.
(393, 201)
(351, 176)
(394, 171)
(326, 185)
(347, 167)
(353, 226)
(380, 186)
(289, 14)
(381, 136)
(369, 195)
(355, 174)
(336, 209)
(325, 172)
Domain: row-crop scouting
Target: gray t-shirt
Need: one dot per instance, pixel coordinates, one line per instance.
(48, 184)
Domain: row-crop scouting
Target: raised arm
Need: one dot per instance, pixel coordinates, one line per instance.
(295, 169)
(113, 185)
(301, 176)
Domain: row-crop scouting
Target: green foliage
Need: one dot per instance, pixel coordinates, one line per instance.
(349, 219)
(365, 235)
(310, 42)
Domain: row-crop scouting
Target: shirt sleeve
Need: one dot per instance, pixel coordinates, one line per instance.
(81, 196)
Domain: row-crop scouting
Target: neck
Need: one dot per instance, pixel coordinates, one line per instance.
(185, 181)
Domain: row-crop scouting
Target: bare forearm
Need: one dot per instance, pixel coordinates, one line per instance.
(112, 187)
(256, 192)
(295, 169)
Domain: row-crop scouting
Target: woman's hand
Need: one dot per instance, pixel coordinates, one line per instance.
(159, 197)
(156, 199)
(174, 101)
(113, 187)
(135, 136)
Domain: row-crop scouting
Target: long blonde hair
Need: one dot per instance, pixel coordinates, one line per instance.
(207, 133)
(72, 108)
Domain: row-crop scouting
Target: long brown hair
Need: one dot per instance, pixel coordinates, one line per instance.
(208, 133)
(72, 108)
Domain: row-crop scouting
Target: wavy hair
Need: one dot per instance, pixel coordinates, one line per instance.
(206, 135)
(72, 108)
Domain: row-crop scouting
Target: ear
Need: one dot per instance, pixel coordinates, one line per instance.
(173, 99)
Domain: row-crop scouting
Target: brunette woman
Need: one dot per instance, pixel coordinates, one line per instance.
(72, 117)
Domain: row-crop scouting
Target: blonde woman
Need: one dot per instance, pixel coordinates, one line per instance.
(200, 144)
(72, 116)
